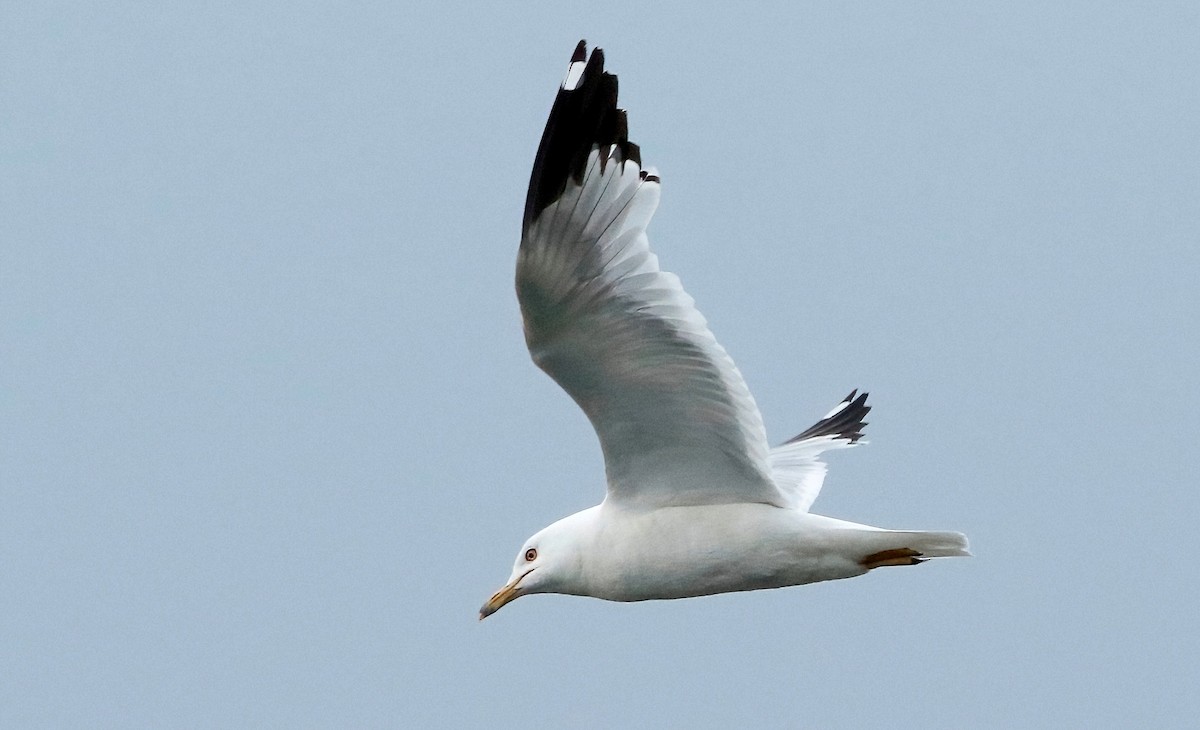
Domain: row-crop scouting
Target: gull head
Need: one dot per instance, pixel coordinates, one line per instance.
(549, 562)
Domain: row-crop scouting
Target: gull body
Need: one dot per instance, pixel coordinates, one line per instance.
(697, 501)
(621, 554)
(682, 552)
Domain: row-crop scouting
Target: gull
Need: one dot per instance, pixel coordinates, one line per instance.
(697, 503)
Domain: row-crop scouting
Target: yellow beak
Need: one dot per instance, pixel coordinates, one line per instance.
(501, 597)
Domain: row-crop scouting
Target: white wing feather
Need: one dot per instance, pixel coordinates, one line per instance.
(797, 471)
(675, 419)
(796, 467)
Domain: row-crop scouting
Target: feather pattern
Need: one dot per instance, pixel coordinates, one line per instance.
(795, 466)
(675, 419)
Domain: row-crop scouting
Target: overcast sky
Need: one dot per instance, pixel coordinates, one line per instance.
(269, 434)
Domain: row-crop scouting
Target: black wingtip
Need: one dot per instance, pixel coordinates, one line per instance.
(845, 422)
(596, 60)
(583, 116)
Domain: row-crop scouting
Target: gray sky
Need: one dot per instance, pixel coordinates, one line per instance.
(269, 434)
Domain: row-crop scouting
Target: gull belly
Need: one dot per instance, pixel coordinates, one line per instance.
(681, 552)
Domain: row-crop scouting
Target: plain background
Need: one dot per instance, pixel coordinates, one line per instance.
(269, 434)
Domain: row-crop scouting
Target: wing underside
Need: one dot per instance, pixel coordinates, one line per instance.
(675, 419)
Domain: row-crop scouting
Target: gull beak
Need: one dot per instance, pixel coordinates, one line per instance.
(501, 597)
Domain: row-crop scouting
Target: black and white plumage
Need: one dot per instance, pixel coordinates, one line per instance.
(697, 502)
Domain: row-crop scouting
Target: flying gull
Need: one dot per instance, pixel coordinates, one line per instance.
(697, 503)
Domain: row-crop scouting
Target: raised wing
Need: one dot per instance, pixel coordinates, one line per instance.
(795, 466)
(676, 422)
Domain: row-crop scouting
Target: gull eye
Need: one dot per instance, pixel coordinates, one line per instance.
(530, 555)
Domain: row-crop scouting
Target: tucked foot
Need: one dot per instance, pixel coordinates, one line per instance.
(895, 556)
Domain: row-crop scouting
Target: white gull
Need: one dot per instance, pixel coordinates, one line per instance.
(697, 501)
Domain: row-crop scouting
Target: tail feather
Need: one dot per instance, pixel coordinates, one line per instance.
(937, 544)
(905, 547)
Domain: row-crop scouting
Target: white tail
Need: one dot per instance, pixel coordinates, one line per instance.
(901, 547)
(936, 544)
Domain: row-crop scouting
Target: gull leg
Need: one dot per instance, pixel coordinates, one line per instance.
(895, 556)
